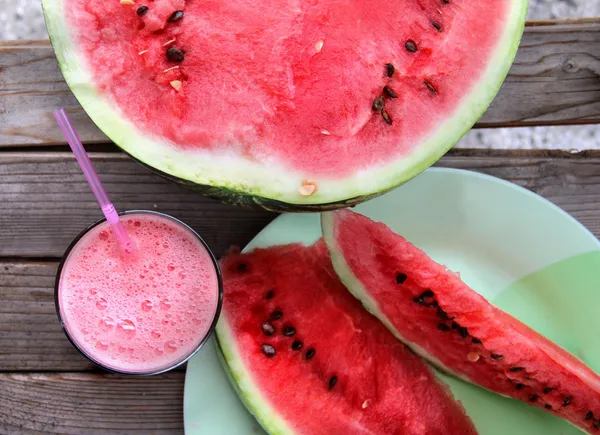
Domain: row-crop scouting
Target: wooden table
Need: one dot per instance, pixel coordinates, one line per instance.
(45, 385)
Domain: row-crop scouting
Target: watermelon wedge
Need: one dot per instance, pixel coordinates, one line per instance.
(306, 358)
(429, 308)
(288, 104)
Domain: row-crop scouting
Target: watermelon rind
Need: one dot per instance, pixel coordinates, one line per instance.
(354, 286)
(269, 184)
(243, 382)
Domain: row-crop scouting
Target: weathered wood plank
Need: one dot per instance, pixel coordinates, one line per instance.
(77, 403)
(554, 80)
(47, 202)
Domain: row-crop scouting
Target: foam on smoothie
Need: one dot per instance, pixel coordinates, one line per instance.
(141, 313)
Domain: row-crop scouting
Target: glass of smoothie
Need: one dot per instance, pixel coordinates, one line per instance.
(143, 313)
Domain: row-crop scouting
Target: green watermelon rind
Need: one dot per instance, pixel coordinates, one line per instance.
(237, 180)
(243, 383)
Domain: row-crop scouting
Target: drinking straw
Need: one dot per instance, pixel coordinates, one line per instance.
(91, 176)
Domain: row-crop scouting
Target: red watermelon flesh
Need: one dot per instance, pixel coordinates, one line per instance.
(286, 81)
(429, 307)
(307, 358)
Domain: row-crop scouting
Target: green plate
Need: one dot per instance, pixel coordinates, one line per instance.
(519, 250)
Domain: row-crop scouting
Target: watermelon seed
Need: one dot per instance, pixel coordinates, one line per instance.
(430, 87)
(454, 325)
(445, 1)
(270, 294)
(127, 2)
(386, 117)
(427, 294)
(176, 84)
(268, 350)
(297, 345)
(378, 104)
(443, 315)
(175, 16)
(567, 401)
(547, 406)
(389, 69)
(473, 357)
(141, 10)
(310, 353)
(464, 333)
(332, 382)
(410, 46)
(366, 403)
(443, 327)
(268, 329)
(516, 369)
(289, 331)
(401, 278)
(496, 356)
(519, 386)
(533, 398)
(174, 54)
(589, 415)
(276, 315)
(475, 341)
(433, 304)
(437, 26)
(597, 424)
(389, 92)
(170, 41)
(548, 390)
(142, 52)
(307, 188)
(242, 267)
(172, 68)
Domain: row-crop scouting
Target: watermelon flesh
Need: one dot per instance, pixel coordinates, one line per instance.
(307, 358)
(429, 308)
(266, 95)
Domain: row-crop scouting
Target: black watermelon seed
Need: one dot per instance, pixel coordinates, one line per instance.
(446, 1)
(496, 356)
(433, 304)
(427, 294)
(389, 92)
(276, 315)
(519, 386)
(475, 341)
(548, 390)
(297, 345)
(454, 325)
(242, 267)
(175, 16)
(597, 424)
(567, 401)
(430, 87)
(516, 369)
(378, 104)
(401, 278)
(589, 415)
(443, 327)
(268, 350)
(437, 26)
(174, 54)
(386, 117)
(533, 398)
(464, 332)
(547, 406)
(270, 294)
(389, 69)
(442, 314)
(141, 10)
(310, 353)
(332, 382)
(268, 329)
(289, 331)
(410, 45)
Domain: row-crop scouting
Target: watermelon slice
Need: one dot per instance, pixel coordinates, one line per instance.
(285, 103)
(430, 309)
(306, 358)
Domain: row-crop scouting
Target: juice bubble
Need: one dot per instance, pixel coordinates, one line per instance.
(85, 331)
(165, 305)
(182, 275)
(101, 304)
(155, 334)
(102, 345)
(137, 224)
(127, 326)
(122, 349)
(158, 351)
(171, 346)
(147, 305)
(166, 245)
(103, 235)
(107, 323)
(171, 267)
(93, 291)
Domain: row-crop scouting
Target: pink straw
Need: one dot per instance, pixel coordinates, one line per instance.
(94, 181)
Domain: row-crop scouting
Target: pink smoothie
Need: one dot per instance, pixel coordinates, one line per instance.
(143, 313)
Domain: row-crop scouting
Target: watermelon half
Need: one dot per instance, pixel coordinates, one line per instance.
(430, 309)
(289, 104)
(306, 358)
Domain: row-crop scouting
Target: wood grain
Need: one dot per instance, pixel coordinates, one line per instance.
(554, 80)
(91, 404)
